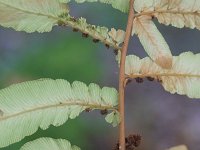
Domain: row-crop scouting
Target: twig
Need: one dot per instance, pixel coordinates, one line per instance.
(122, 76)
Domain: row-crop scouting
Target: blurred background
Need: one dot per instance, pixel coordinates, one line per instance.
(163, 120)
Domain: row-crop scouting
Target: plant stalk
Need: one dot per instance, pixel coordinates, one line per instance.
(122, 76)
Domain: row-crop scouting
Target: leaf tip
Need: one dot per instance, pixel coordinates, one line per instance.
(164, 62)
(180, 147)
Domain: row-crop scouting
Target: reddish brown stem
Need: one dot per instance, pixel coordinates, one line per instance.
(122, 76)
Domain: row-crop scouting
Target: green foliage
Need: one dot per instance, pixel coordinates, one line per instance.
(31, 16)
(27, 106)
(49, 143)
(113, 118)
(44, 102)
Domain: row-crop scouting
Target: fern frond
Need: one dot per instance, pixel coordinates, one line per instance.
(178, 13)
(122, 5)
(117, 36)
(48, 144)
(180, 147)
(152, 41)
(32, 15)
(27, 106)
(40, 16)
(96, 32)
(183, 78)
(113, 118)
